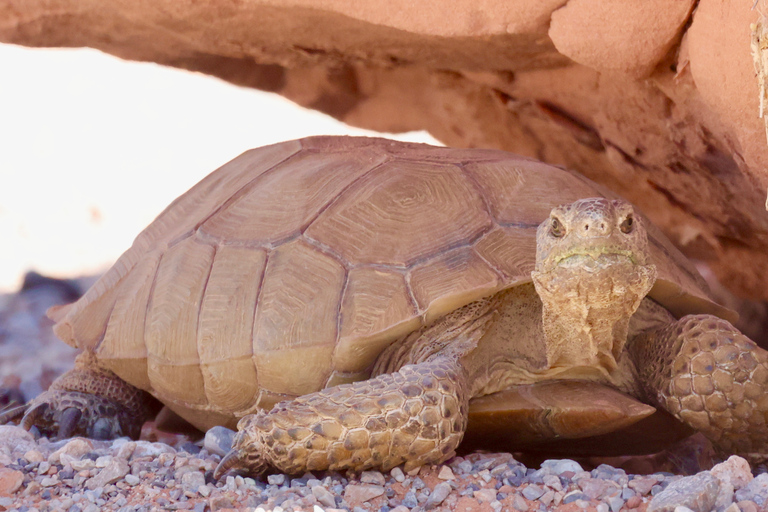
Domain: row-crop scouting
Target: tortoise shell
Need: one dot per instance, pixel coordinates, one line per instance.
(292, 267)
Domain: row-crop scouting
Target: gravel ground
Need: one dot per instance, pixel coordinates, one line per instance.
(170, 472)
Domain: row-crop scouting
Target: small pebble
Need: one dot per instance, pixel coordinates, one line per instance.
(697, 492)
(573, 496)
(547, 498)
(192, 481)
(553, 482)
(34, 456)
(446, 473)
(438, 495)
(324, 496)
(362, 492)
(43, 467)
(397, 474)
(409, 500)
(372, 477)
(615, 503)
(103, 461)
(519, 503)
(49, 481)
(533, 492)
(562, 465)
(485, 495)
(627, 493)
(465, 466)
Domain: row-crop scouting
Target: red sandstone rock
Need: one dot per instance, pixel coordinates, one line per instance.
(626, 36)
(649, 97)
(10, 481)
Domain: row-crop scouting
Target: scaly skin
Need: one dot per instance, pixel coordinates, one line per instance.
(414, 416)
(711, 377)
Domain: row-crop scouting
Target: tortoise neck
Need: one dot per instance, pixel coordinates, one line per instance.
(586, 316)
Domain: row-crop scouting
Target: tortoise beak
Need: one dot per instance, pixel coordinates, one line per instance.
(230, 460)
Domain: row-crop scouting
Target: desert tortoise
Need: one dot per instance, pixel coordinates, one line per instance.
(345, 298)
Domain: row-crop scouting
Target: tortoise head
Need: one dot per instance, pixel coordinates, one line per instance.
(591, 233)
(593, 268)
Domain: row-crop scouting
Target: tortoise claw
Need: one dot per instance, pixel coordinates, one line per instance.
(103, 430)
(33, 415)
(12, 413)
(246, 457)
(63, 414)
(231, 460)
(68, 421)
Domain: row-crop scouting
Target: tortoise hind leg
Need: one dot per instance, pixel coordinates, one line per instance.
(90, 401)
(416, 416)
(710, 376)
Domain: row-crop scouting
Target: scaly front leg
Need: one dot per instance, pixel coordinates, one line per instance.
(414, 416)
(710, 376)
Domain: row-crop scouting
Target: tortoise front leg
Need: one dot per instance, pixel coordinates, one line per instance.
(90, 401)
(710, 376)
(415, 416)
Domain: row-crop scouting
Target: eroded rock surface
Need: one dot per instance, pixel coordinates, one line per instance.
(658, 99)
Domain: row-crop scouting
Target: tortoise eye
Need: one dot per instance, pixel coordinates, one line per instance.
(628, 225)
(557, 229)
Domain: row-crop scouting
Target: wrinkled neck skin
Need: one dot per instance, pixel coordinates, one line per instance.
(586, 313)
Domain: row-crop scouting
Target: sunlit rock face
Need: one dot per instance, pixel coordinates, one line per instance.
(656, 99)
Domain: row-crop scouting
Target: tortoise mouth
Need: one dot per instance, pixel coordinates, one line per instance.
(595, 259)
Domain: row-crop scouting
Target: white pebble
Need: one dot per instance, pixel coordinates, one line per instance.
(324, 496)
(83, 464)
(103, 461)
(33, 456)
(49, 481)
(66, 459)
(397, 474)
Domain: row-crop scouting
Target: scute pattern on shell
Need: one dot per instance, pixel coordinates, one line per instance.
(293, 266)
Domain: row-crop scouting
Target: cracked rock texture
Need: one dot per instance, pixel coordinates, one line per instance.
(657, 99)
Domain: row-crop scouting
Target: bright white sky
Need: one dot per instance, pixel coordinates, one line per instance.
(92, 148)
